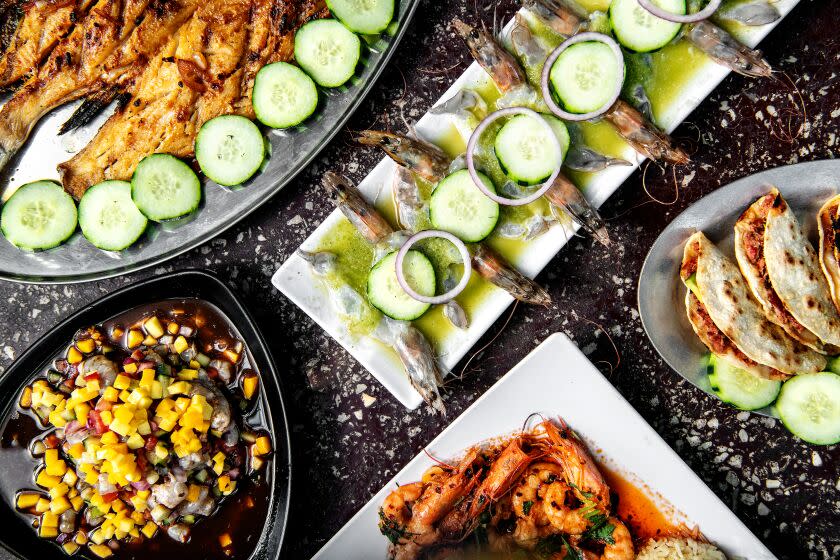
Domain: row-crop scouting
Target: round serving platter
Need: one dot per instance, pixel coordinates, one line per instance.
(805, 186)
(18, 541)
(291, 151)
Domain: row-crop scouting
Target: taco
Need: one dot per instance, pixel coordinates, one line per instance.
(783, 272)
(829, 225)
(724, 295)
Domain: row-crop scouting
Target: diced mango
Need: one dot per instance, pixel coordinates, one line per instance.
(135, 441)
(122, 382)
(262, 446)
(49, 519)
(25, 398)
(225, 483)
(134, 338)
(86, 345)
(74, 356)
(70, 478)
(47, 480)
(181, 344)
(100, 550)
(42, 505)
(225, 540)
(149, 341)
(58, 491)
(70, 548)
(249, 385)
(60, 505)
(48, 532)
(130, 368)
(173, 328)
(188, 374)
(26, 500)
(179, 388)
(153, 327)
(193, 493)
(77, 502)
(231, 355)
(150, 529)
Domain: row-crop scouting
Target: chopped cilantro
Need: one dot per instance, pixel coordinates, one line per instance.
(526, 507)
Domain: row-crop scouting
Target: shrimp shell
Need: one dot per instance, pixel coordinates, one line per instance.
(749, 12)
(581, 158)
(724, 49)
(456, 315)
(495, 270)
(418, 359)
(361, 214)
(423, 158)
(566, 195)
(643, 135)
(556, 16)
(496, 61)
(412, 213)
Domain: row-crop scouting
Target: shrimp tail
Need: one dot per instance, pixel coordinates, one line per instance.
(643, 135)
(361, 214)
(564, 194)
(492, 268)
(726, 50)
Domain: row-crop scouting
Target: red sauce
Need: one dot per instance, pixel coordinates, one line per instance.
(637, 509)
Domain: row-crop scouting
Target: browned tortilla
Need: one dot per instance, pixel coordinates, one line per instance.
(828, 223)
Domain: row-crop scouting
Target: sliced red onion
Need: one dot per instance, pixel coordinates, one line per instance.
(465, 256)
(473, 143)
(705, 13)
(555, 54)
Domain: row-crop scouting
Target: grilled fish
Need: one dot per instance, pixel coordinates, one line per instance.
(29, 33)
(109, 46)
(205, 71)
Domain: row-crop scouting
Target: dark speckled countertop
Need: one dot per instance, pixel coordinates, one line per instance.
(787, 492)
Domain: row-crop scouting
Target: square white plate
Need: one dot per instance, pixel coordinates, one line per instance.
(580, 394)
(297, 282)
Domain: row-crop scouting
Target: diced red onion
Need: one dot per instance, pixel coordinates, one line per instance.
(141, 485)
(555, 54)
(473, 144)
(661, 13)
(465, 255)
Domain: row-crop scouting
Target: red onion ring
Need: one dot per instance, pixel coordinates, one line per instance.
(465, 255)
(545, 81)
(476, 135)
(705, 13)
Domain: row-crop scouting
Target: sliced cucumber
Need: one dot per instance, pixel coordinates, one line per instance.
(833, 365)
(39, 216)
(229, 149)
(327, 51)
(639, 30)
(386, 294)
(109, 218)
(164, 187)
(459, 207)
(584, 76)
(367, 17)
(284, 95)
(526, 152)
(741, 388)
(809, 406)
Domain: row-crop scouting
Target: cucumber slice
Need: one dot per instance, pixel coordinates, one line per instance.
(809, 406)
(459, 207)
(229, 149)
(284, 95)
(327, 51)
(526, 152)
(639, 30)
(833, 365)
(367, 17)
(741, 388)
(584, 76)
(39, 216)
(386, 294)
(164, 187)
(109, 218)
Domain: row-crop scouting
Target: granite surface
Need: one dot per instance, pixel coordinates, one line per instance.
(346, 447)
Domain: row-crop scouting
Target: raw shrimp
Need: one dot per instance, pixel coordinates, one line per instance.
(361, 214)
(466, 104)
(748, 12)
(496, 61)
(417, 358)
(724, 49)
(412, 212)
(455, 314)
(564, 194)
(322, 263)
(642, 135)
(423, 158)
(556, 16)
(582, 158)
(495, 270)
(106, 369)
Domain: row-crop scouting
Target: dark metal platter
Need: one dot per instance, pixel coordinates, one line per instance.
(19, 541)
(292, 150)
(805, 186)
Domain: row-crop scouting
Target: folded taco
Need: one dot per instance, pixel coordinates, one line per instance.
(722, 292)
(829, 224)
(783, 272)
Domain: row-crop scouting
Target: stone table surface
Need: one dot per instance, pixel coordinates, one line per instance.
(785, 491)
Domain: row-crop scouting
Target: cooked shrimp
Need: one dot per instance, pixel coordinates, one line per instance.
(495, 270)
(564, 194)
(580, 470)
(496, 61)
(101, 365)
(395, 512)
(169, 493)
(361, 214)
(621, 547)
(503, 474)
(423, 158)
(726, 50)
(565, 519)
(643, 135)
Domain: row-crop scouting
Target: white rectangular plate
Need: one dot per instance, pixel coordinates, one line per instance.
(296, 281)
(537, 384)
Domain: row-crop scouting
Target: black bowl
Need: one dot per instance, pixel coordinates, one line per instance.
(17, 539)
